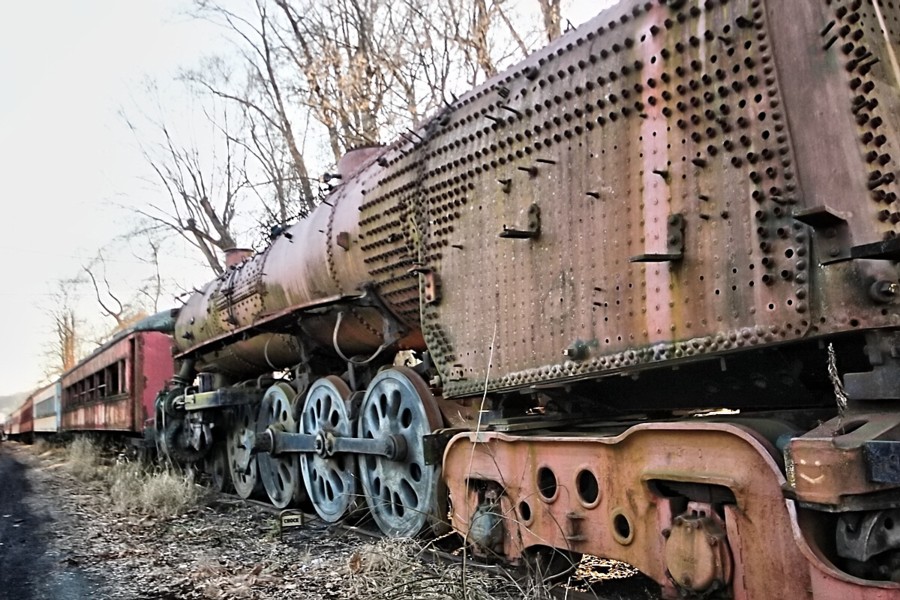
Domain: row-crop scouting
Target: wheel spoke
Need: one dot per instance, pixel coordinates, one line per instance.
(409, 495)
(217, 467)
(337, 484)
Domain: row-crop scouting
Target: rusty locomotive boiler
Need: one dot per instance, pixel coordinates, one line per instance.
(636, 297)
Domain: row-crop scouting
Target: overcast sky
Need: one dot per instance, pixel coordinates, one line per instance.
(67, 68)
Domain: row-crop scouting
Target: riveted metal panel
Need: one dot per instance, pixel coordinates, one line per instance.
(648, 114)
(239, 295)
(392, 225)
(840, 81)
(672, 180)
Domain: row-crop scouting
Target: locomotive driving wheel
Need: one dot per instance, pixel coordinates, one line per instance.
(402, 493)
(279, 474)
(217, 468)
(331, 479)
(241, 462)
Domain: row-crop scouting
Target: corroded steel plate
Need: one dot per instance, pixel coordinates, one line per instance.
(658, 145)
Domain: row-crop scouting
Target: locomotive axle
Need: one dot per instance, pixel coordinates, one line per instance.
(326, 444)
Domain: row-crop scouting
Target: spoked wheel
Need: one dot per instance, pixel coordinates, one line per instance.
(217, 468)
(280, 475)
(241, 463)
(402, 494)
(331, 481)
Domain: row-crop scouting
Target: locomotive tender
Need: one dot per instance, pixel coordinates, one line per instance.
(636, 297)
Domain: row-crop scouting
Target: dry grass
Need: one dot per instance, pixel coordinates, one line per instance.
(166, 493)
(394, 569)
(133, 489)
(84, 459)
(41, 446)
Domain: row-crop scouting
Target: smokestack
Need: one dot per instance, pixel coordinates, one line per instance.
(235, 256)
(353, 160)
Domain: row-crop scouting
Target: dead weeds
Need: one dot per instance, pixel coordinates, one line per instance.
(215, 547)
(159, 493)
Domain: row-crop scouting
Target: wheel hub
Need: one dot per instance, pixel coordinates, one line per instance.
(321, 445)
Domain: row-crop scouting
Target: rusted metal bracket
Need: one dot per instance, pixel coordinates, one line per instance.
(842, 466)
(434, 444)
(533, 229)
(820, 217)
(831, 235)
(884, 250)
(882, 382)
(674, 243)
(222, 397)
(832, 238)
(342, 239)
(431, 293)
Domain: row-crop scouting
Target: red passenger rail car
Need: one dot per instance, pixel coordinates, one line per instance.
(20, 425)
(113, 390)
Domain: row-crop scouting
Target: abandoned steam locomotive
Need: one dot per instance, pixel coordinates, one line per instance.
(636, 297)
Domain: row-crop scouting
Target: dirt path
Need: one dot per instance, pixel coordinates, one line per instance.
(31, 564)
(65, 538)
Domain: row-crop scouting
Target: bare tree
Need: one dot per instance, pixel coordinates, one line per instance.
(335, 45)
(353, 71)
(485, 36)
(364, 69)
(262, 99)
(64, 350)
(151, 288)
(550, 10)
(201, 186)
(67, 340)
(124, 312)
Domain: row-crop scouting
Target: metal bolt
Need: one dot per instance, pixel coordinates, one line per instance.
(884, 291)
